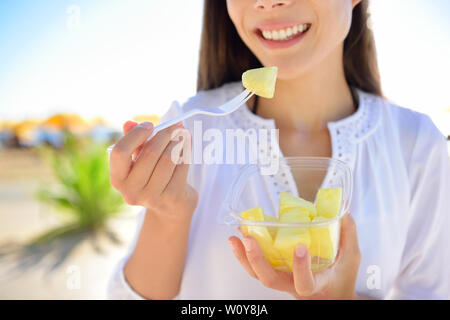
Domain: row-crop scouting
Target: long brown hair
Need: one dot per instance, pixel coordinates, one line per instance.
(224, 56)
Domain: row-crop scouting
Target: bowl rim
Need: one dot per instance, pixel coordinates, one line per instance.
(230, 216)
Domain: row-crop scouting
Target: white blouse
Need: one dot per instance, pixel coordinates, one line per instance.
(401, 176)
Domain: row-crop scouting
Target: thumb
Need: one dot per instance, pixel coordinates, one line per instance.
(349, 253)
(303, 278)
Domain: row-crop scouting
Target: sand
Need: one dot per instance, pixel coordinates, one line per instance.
(77, 267)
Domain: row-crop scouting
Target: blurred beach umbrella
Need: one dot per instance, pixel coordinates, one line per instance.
(26, 131)
(7, 125)
(66, 121)
(152, 118)
(18, 134)
(98, 121)
(34, 132)
(52, 129)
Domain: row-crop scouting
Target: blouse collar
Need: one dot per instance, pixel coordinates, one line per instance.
(345, 133)
(357, 126)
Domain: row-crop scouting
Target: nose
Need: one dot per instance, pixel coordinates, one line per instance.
(270, 4)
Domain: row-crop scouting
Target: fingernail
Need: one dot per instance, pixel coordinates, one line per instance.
(180, 124)
(300, 251)
(247, 244)
(146, 125)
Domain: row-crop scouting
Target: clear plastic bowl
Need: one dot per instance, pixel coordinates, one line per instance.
(300, 176)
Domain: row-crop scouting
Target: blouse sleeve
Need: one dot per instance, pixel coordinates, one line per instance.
(118, 287)
(425, 265)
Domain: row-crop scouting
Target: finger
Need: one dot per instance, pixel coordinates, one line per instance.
(268, 276)
(349, 253)
(148, 158)
(120, 158)
(127, 126)
(163, 171)
(239, 253)
(179, 176)
(301, 268)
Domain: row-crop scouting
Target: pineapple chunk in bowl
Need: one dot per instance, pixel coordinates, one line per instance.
(305, 209)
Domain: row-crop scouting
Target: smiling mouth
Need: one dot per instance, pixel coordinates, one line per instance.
(284, 34)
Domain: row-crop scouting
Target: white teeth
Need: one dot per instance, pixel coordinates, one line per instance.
(289, 32)
(284, 34)
(275, 35)
(267, 34)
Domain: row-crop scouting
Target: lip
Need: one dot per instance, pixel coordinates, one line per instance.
(272, 44)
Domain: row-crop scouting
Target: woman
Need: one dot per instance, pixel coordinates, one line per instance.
(328, 103)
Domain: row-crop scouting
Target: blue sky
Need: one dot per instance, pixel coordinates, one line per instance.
(120, 61)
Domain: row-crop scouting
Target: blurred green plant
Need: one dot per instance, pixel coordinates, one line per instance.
(82, 189)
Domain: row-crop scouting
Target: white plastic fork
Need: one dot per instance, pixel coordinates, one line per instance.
(222, 110)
